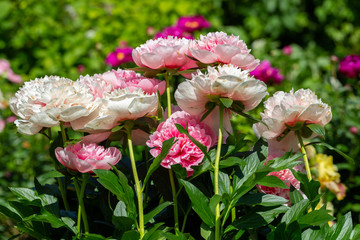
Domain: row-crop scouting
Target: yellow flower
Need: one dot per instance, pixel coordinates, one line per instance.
(328, 175)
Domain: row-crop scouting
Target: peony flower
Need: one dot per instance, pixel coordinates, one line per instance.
(350, 66)
(328, 175)
(192, 23)
(221, 48)
(45, 102)
(118, 79)
(287, 50)
(267, 74)
(14, 78)
(174, 31)
(162, 53)
(85, 157)
(184, 151)
(354, 130)
(119, 56)
(4, 66)
(288, 109)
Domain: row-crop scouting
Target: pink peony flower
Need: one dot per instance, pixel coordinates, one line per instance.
(350, 66)
(4, 66)
(192, 23)
(184, 151)
(354, 130)
(221, 48)
(119, 56)
(267, 74)
(80, 68)
(11, 119)
(283, 109)
(45, 102)
(162, 53)
(14, 78)
(85, 157)
(2, 124)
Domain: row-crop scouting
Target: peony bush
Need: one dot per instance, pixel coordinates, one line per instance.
(126, 169)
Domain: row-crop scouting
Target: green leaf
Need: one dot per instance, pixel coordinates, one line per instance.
(170, 236)
(210, 106)
(130, 235)
(117, 128)
(342, 229)
(295, 211)
(153, 233)
(214, 200)
(261, 199)
(224, 183)
(318, 129)
(355, 234)
(200, 203)
(51, 174)
(121, 219)
(47, 217)
(316, 218)
(350, 159)
(287, 161)
(295, 195)
(206, 232)
(257, 217)
(227, 102)
(110, 181)
(231, 161)
(167, 144)
(272, 181)
(179, 171)
(202, 147)
(155, 211)
(10, 212)
(24, 193)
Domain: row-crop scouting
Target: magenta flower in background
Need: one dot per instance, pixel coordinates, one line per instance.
(287, 50)
(267, 74)
(354, 130)
(119, 56)
(350, 66)
(85, 157)
(192, 23)
(218, 47)
(184, 151)
(174, 31)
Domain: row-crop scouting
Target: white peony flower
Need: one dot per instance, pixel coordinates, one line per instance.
(283, 109)
(45, 102)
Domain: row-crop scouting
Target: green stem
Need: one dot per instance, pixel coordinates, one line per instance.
(168, 93)
(303, 151)
(174, 195)
(63, 133)
(216, 174)
(137, 185)
(233, 210)
(185, 219)
(81, 210)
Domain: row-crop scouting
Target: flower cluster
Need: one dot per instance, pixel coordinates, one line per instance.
(266, 73)
(350, 66)
(7, 72)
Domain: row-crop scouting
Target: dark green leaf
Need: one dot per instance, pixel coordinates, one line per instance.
(342, 229)
(318, 129)
(295, 195)
(272, 181)
(200, 203)
(316, 218)
(224, 183)
(295, 211)
(155, 211)
(110, 181)
(179, 171)
(350, 159)
(153, 233)
(51, 174)
(167, 144)
(214, 200)
(231, 161)
(10, 212)
(206, 232)
(130, 235)
(47, 217)
(355, 234)
(262, 199)
(120, 217)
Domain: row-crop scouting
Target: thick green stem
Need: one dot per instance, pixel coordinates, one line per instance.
(174, 195)
(80, 194)
(168, 93)
(303, 151)
(216, 174)
(137, 185)
(63, 133)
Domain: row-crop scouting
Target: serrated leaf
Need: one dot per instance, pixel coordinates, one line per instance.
(199, 202)
(155, 211)
(272, 181)
(167, 144)
(316, 128)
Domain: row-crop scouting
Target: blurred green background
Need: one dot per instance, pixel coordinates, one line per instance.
(73, 37)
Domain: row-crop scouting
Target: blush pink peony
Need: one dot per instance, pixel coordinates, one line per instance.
(218, 47)
(162, 53)
(45, 102)
(85, 157)
(184, 151)
(283, 109)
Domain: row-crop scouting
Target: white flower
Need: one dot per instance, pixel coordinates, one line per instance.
(45, 102)
(290, 108)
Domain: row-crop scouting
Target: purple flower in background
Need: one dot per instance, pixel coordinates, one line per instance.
(267, 74)
(287, 50)
(350, 66)
(119, 56)
(193, 23)
(174, 31)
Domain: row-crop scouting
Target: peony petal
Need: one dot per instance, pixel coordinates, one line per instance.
(26, 127)
(203, 56)
(190, 99)
(245, 61)
(225, 52)
(73, 113)
(152, 60)
(43, 119)
(96, 137)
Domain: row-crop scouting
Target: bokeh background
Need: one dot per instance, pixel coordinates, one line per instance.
(303, 40)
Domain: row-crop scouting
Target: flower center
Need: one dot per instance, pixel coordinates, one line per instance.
(192, 24)
(120, 56)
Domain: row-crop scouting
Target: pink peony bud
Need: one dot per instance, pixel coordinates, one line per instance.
(287, 50)
(85, 157)
(354, 130)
